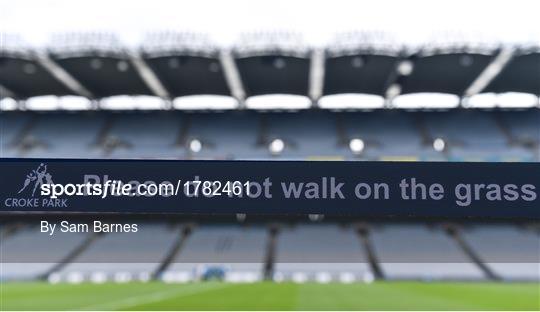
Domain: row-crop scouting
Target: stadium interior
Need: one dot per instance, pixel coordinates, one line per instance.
(89, 97)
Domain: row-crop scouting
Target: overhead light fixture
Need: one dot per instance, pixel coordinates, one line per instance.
(96, 63)
(357, 146)
(357, 62)
(439, 144)
(195, 146)
(276, 146)
(279, 63)
(29, 69)
(213, 67)
(173, 63)
(466, 60)
(405, 68)
(122, 66)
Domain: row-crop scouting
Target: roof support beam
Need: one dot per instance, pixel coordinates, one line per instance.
(6, 93)
(63, 76)
(392, 88)
(149, 77)
(232, 77)
(316, 75)
(490, 72)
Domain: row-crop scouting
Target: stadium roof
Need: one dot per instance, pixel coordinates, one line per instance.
(186, 64)
(273, 64)
(23, 75)
(521, 74)
(99, 63)
(360, 62)
(443, 70)
(97, 66)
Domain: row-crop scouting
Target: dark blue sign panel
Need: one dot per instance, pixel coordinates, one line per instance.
(365, 189)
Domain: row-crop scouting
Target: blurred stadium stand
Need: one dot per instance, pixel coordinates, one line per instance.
(401, 249)
(25, 244)
(106, 257)
(168, 67)
(320, 252)
(239, 250)
(519, 244)
(386, 135)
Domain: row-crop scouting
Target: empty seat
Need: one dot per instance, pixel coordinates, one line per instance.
(306, 134)
(416, 252)
(29, 253)
(61, 135)
(512, 253)
(146, 136)
(128, 252)
(226, 136)
(237, 250)
(10, 127)
(312, 251)
(388, 135)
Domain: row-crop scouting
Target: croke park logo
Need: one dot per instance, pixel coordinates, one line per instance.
(37, 177)
(29, 193)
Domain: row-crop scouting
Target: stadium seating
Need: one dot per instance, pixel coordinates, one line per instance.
(523, 126)
(387, 135)
(100, 68)
(513, 253)
(481, 138)
(239, 251)
(221, 140)
(123, 256)
(320, 252)
(64, 136)
(145, 136)
(307, 135)
(417, 252)
(10, 128)
(28, 254)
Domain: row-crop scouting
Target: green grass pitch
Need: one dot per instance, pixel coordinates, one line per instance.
(270, 296)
